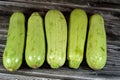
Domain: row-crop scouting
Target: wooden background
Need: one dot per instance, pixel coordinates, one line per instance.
(109, 9)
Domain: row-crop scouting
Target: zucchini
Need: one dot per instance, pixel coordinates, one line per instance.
(96, 54)
(35, 44)
(76, 39)
(13, 53)
(56, 33)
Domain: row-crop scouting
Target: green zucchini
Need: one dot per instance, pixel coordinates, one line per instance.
(56, 33)
(13, 53)
(96, 54)
(76, 39)
(35, 44)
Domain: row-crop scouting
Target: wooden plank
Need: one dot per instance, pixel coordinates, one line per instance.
(111, 16)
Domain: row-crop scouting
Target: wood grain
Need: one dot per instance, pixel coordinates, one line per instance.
(109, 9)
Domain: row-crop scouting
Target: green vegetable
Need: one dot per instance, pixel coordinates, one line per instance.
(76, 39)
(13, 53)
(96, 54)
(35, 45)
(56, 33)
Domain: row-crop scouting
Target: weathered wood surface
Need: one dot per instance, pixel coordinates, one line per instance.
(109, 9)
